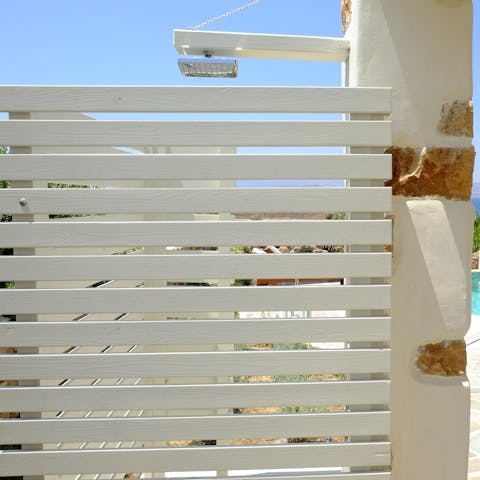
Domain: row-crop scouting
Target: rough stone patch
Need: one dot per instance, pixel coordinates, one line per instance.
(421, 172)
(448, 358)
(456, 118)
(346, 14)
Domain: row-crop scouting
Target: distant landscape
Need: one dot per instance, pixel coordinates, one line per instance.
(476, 197)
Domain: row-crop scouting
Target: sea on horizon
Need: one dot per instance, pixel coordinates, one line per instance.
(476, 202)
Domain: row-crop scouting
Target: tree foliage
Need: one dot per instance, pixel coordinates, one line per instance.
(476, 235)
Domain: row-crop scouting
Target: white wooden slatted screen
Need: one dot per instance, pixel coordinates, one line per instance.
(125, 356)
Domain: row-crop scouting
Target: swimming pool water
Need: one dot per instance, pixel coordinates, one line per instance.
(476, 293)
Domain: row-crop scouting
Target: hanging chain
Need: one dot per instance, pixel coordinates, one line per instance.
(226, 14)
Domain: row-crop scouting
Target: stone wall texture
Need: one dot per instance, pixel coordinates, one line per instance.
(424, 172)
(448, 358)
(346, 14)
(456, 118)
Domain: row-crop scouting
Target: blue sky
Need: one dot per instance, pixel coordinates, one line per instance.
(130, 42)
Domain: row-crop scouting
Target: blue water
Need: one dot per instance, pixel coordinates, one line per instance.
(476, 293)
(476, 276)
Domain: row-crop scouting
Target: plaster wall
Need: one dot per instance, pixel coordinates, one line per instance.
(422, 49)
(430, 303)
(431, 261)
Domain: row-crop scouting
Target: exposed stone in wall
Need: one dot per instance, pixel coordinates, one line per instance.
(420, 172)
(448, 358)
(346, 14)
(456, 118)
(475, 261)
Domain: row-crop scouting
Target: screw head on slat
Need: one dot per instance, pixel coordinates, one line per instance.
(22, 201)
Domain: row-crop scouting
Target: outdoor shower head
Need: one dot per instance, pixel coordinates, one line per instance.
(208, 66)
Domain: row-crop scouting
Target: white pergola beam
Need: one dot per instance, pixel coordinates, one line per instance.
(260, 45)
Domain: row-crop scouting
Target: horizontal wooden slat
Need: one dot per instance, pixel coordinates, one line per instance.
(195, 428)
(27, 399)
(288, 362)
(377, 475)
(198, 133)
(65, 234)
(261, 45)
(195, 299)
(198, 167)
(171, 267)
(185, 332)
(194, 99)
(197, 458)
(194, 200)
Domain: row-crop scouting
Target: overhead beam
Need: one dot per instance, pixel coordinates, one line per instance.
(260, 45)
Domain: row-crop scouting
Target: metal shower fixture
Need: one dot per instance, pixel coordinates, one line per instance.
(208, 66)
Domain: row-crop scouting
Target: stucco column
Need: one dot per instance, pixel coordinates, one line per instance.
(422, 49)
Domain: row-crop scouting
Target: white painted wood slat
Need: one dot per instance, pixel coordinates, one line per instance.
(196, 428)
(197, 458)
(375, 475)
(170, 267)
(197, 200)
(98, 234)
(195, 299)
(198, 133)
(261, 45)
(178, 332)
(194, 166)
(194, 99)
(120, 221)
(198, 364)
(27, 399)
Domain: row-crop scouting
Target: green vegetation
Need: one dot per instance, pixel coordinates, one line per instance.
(336, 216)
(242, 282)
(476, 235)
(241, 249)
